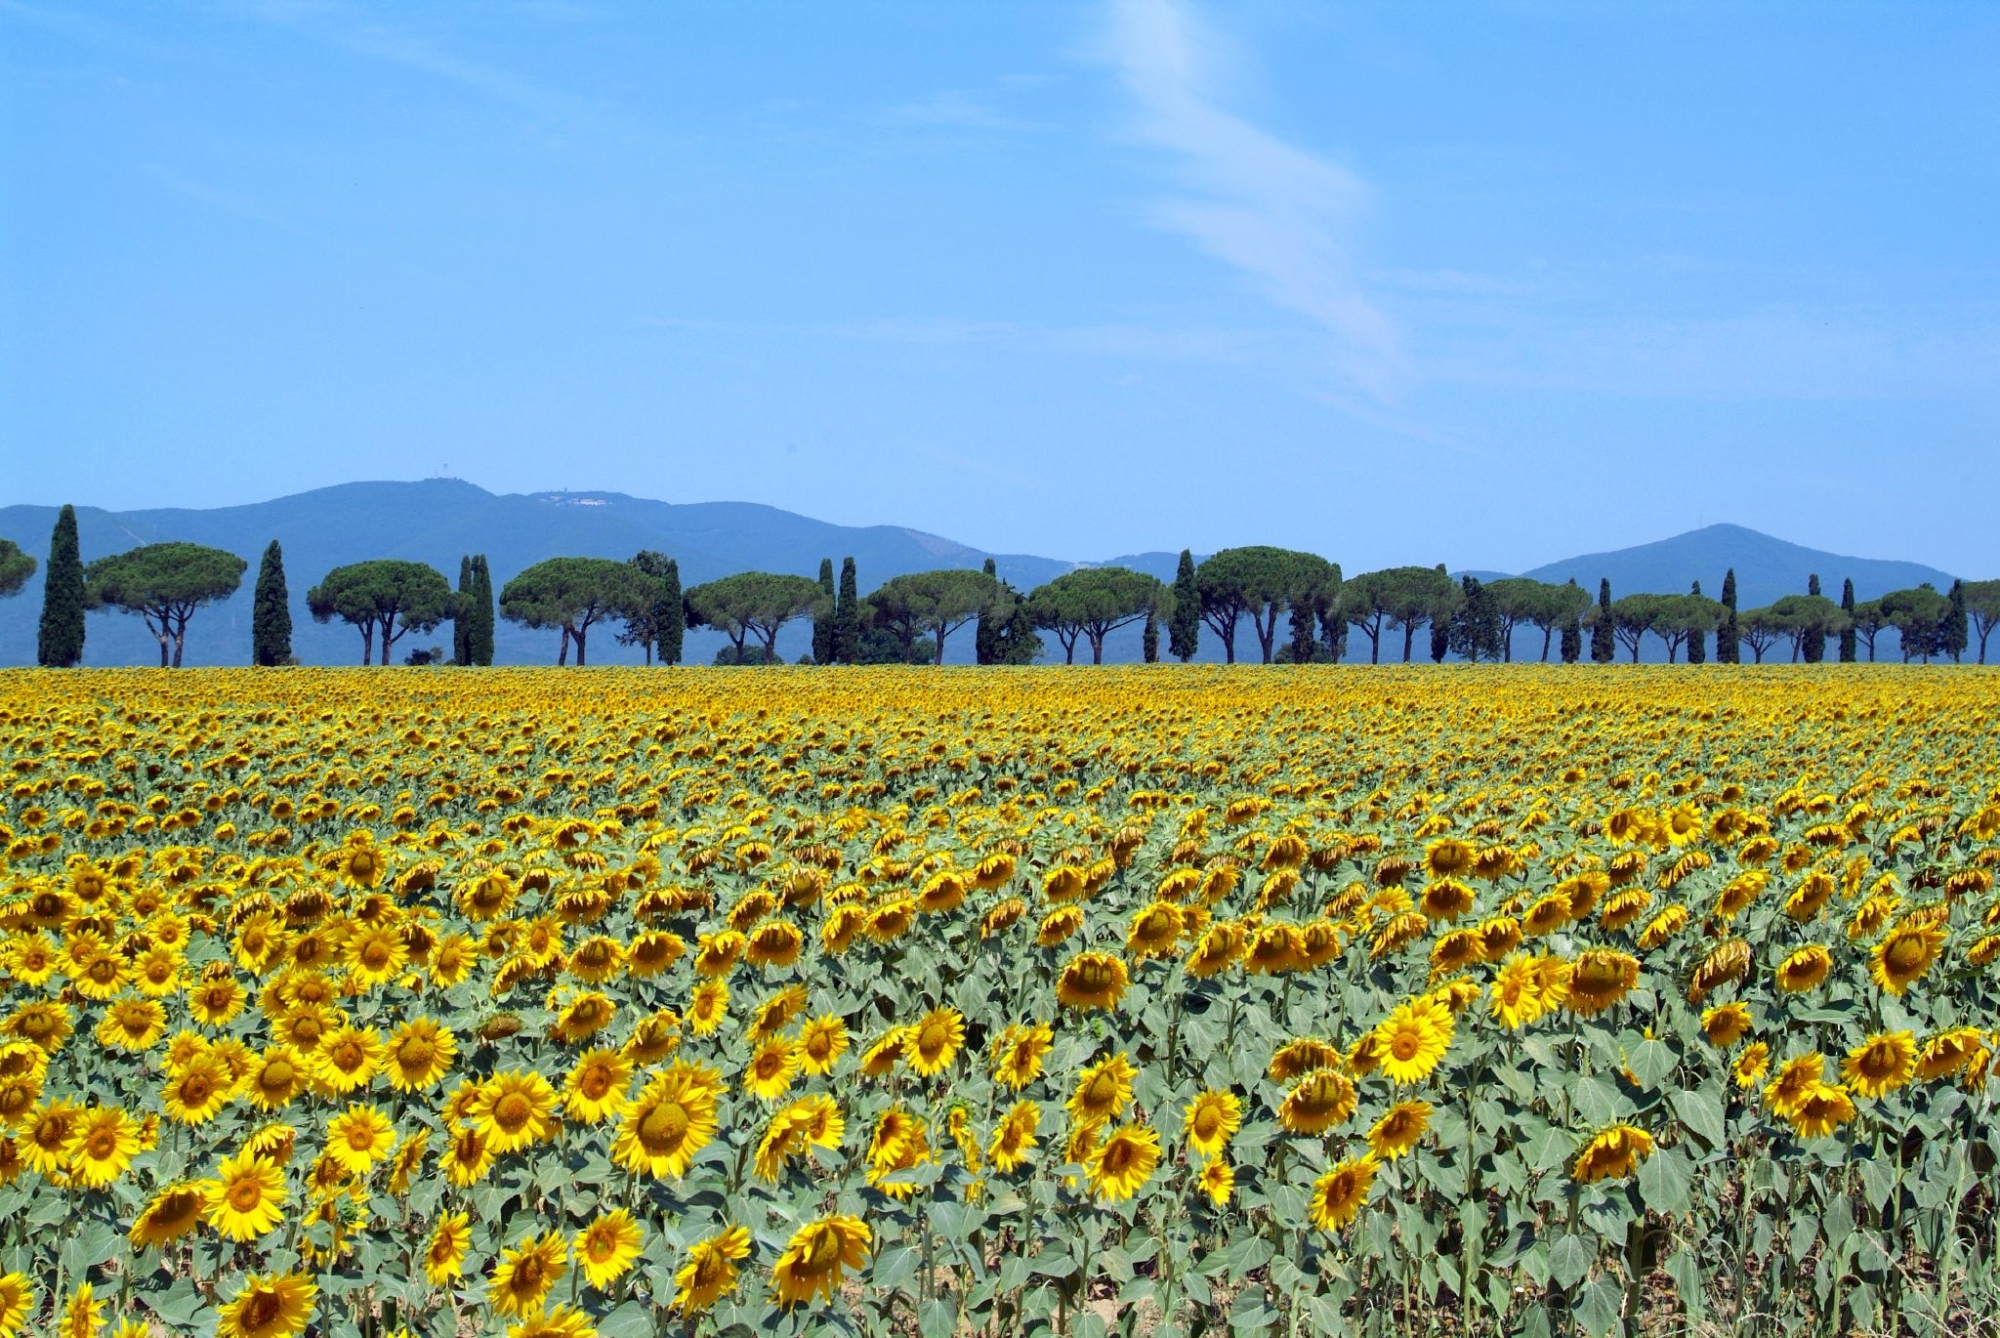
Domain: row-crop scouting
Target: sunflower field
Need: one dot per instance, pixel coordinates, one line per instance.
(1153, 1000)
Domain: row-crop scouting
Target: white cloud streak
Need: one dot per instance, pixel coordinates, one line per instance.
(1276, 212)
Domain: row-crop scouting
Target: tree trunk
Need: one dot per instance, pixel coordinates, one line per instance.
(1547, 632)
(580, 633)
(1097, 648)
(367, 642)
(563, 657)
(1409, 639)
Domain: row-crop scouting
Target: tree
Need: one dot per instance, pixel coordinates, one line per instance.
(15, 568)
(1684, 620)
(1603, 637)
(1092, 602)
(822, 648)
(575, 594)
(1019, 643)
(673, 614)
(1262, 582)
(1727, 636)
(1475, 629)
(1847, 632)
(388, 595)
(1806, 620)
(1149, 641)
(480, 617)
(753, 603)
(1405, 598)
(646, 623)
(1698, 635)
(936, 603)
(847, 617)
(461, 613)
(1184, 627)
(1633, 617)
(1760, 630)
(1523, 600)
(163, 584)
(271, 611)
(1333, 629)
(1305, 632)
(1982, 608)
(1952, 630)
(1572, 633)
(1917, 615)
(1812, 636)
(1867, 621)
(60, 642)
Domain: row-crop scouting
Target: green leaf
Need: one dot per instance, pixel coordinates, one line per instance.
(937, 1319)
(1651, 1062)
(631, 1320)
(1702, 1113)
(1664, 1181)
(1598, 1308)
(1570, 1259)
(895, 1267)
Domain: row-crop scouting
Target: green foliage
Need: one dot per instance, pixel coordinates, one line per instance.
(15, 568)
(1847, 636)
(1952, 632)
(481, 620)
(1475, 628)
(1806, 621)
(271, 611)
(576, 593)
(1521, 600)
(1396, 598)
(658, 605)
(1261, 582)
(1917, 615)
(1184, 626)
(1091, 602)
(931, 603)
(461, 614)
(1727, 635)
(1697, 636)
(753, 603)
(389, 596)
(1982, 610)
(1603, 634)
(163, 584)
(672, 614)
(59, 644)
(847, 617)
(1812, 636)
(822, 644)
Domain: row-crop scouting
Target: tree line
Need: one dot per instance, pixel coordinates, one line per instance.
(1296, 608)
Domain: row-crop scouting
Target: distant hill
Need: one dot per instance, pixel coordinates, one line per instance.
(438, 520)
(1766, 568)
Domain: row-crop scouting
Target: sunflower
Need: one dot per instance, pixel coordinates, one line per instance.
(1155, 931)
(1613, 1154)
(1273, 949)
(898, 1144)
(17, 1299)
(1751, 1064)
(421, 1052)
(133, 1025)
(1092, 980)
(1600, 978)
(215, 1003)
(198, 1092)
(246, 1199)
(879, 1060)
(1904, 954)
(595, 1089)
(708, 1008)
(1317, 1102)
(1123, 1162)
(772, 1067)
(41, 1022)
(560, 1322)
(1819, 1110)
(359, 1137)
(1216, 950)
(274, 1305)
(1948, 1052)
(652, 952)
(776, 1013)
(654, 1038)
(1103, 1090)
(822, 1041)
(1217, 1180)
(1399, 1129)
(607, 1247)
(717, 954)
(526, 1273)
(1338, 1195)
(375, 956)
(934, 1042)
(710, 1271)
(101, 1146)
(409, 1160)
(1300, 1056)
(1804, 969)
(669, 1122)
(348, 1058)
(1448, 857)
(515, 1109)
(1726, 1024)
(276, 1077)
(1210, 1121)
(1058, 926)
(1018, 1051)
(1795, 1077)
(168, 1215)
(1547, 915)
(468, 1157)
(1445, 900)
(1014, 1139)
(1412, 1041)
(83, 1317)
(815, 1260)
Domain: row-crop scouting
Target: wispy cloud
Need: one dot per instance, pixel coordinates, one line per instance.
(243, 206)
(956, 110)
(1277, 212)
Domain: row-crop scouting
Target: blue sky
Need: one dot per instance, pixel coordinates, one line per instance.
(1489, 284)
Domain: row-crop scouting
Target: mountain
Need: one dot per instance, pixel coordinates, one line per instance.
(1766, 568)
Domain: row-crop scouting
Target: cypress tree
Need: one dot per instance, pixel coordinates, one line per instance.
(1848, 641)
(847, 616)
(1955, 633)
(986, 637)
(461, 613)
(823, 624)
(1305, 626)
(1333, 630)
(673, 614)
(271, 612)
(60, 643)
(1603, 645)
(479, 616)
(1728, 640)
(1149, 644)
(1184, 628)
(1697, 638)
(1572, 640)
(1813, 643)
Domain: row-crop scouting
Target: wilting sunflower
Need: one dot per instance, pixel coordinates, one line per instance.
(1092, 980)
(1103, 1090)
(1613, 1154)
(1338, 1195)
(815, 1260)
(421, 1052)
(1819, 1110)
(773, 1065)
(273, 1305)
(1795, 1077)
(515, 1109)
(776, 1013)
(1804, 969)
(1399, 1129)
(1155, 931)
(606, 1248)
(1300, 1056)
(822, 1041)
(169, 1215)
(359, 1137)
(1412, 1041)
(246, 1199)
(1014, 1139)
(526, 1273)
(1600, 978)
(468, 1157)
(1018, 1051)
(934, 1042)
(1123, 1162)
(101, 1146)
(1904, 954)
(1211, 1119)
(1317, 1102)
(1948, 1052)
(595, 1089)
(1726, 1024)
(879, 1060)
(669, 1122)
(710, 1271)
(1058, 926)
(1880, 1064)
